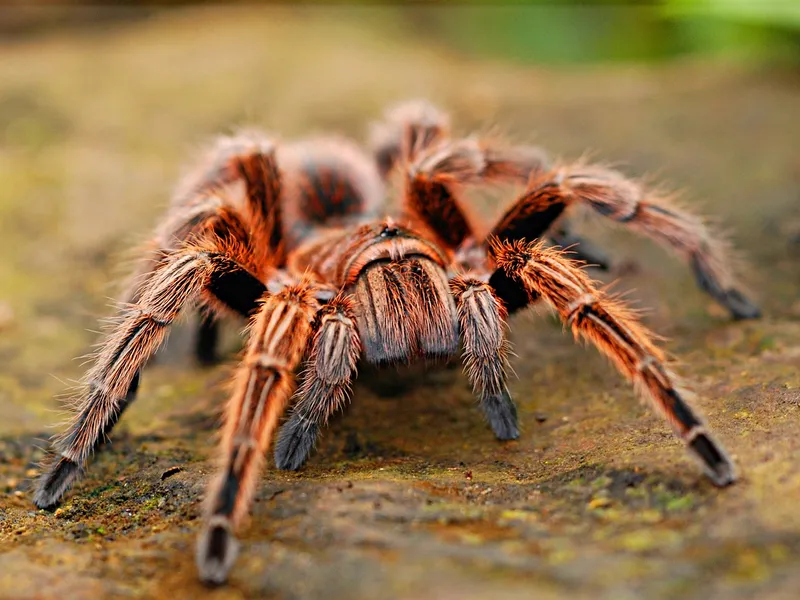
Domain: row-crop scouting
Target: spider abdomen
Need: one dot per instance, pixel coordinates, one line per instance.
(328, 182)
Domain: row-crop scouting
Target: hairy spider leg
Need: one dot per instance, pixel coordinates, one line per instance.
(113, 379)
(628, 203)
(436, 183)
(326, 382)
(614, 331)
(413, 128)
(482, 320)
(434, 187)
(406, 129)
(208, 219)
(246, 158)
(263, 385)
(203, 205)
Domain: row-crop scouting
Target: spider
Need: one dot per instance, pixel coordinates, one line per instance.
(294, 238)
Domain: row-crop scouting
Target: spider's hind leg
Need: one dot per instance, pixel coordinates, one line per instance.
(628, 203)
(406, 129)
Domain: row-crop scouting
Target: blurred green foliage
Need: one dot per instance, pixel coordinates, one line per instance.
(541, 31)
(558, 32)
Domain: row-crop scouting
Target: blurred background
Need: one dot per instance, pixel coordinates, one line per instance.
(101, 108)
(555, 32)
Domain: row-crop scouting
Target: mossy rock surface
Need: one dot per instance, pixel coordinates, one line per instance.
(408, 495)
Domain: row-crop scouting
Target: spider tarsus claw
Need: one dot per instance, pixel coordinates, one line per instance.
(217, 549)
(501, 413)
(736, 302)
(295, 441)
(56, 482)
(740, 307)
(717, 465)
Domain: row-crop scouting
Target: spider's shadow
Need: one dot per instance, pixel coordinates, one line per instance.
(373, 384)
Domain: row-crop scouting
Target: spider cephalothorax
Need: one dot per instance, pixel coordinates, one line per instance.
(293, 237)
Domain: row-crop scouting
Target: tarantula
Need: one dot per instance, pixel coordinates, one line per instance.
(293, 237)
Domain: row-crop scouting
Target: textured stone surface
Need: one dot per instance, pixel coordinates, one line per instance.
(408, 494)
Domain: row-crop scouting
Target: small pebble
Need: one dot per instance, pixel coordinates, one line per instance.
(170, 472)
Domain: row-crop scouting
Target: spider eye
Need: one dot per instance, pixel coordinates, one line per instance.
(389, 231)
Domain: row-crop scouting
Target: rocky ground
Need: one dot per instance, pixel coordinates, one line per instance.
(408, 495)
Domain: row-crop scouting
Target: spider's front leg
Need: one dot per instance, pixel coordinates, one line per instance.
(544, 272)
(264, 383)
(482, 321)
(330, 369)
(111, 383)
